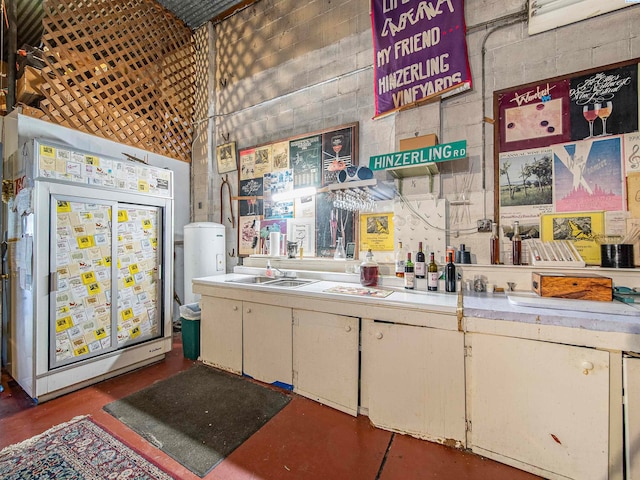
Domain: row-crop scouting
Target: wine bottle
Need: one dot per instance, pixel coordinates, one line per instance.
(450, 274)
(400, 261)
(419, 263)
(409, 274)
(432, 281)
(494, 244)
(516, 244)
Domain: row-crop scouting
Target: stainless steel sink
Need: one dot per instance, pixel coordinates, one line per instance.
(289, 282)
(252, 280)
(282, 282)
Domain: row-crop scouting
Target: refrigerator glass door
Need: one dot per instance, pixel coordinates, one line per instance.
(139, 255)
(81, 275)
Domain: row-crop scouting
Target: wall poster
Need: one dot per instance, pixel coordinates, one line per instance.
(567, 145)
(309, 160)
(420, 52)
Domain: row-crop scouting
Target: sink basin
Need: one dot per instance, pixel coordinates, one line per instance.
(272, 282)
(289, 282)
(252, 280)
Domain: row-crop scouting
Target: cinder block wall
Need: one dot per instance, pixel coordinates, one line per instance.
(284, 68)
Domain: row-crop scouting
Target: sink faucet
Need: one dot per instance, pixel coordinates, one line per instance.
(285, 273)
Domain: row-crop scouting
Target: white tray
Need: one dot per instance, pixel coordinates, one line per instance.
(531, 299)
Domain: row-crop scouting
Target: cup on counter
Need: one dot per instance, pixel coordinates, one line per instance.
(491, 288)
(274, 244)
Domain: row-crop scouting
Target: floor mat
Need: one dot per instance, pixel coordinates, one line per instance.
(76, 449)
(199, 416)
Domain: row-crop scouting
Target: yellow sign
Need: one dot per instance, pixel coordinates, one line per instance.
(123, 216)
(143, 186)
(135, 332)
(106, 261)
(63, 324)
(83, 350)
(63, 206)
(88, 277)
(100, 333)
(85, 241)
(134, 268)
(376, 231)
(580, 228)
(147, 224)
(91, 160)
(47, 151)
(127, 314)
(94, 288)
(129, 281)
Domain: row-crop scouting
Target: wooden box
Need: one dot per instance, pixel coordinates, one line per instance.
(576, 286)
(28, 86)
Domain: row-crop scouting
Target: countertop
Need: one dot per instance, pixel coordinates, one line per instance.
(613, 316)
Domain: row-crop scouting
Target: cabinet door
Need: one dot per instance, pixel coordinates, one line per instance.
(221, 333)
(543, 404)
(267, 344)
(631, 369)
(417, 381)
(325, 358)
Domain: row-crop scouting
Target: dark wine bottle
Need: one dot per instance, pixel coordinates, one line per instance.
(450, 274)
(409, 273)
(419, 264)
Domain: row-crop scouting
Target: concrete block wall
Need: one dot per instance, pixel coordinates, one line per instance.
(285, 68)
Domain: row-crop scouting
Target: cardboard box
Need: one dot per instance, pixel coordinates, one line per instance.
(28, 86)
(576, 286)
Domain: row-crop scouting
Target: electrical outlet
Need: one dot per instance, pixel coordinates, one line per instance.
(484, 225)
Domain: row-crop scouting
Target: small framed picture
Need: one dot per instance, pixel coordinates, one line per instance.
(226, 156)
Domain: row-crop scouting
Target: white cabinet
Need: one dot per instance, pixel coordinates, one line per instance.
(631, 369)
(267, 340)
(416, 381)
(221, 333)
(326, 358)
(542, 407)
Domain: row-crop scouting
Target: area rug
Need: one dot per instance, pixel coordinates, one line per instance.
(200, 415)
(78, 449)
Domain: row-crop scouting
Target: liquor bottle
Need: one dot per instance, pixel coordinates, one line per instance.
(494, 244)
(432, 281)
(419, 264)
(450, 274)
(516, 244)
(400, 261)
(409, 274)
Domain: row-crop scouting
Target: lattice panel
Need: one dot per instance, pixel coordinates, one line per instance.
(120, 69)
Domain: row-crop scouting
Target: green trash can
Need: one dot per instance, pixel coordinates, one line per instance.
(190, 326)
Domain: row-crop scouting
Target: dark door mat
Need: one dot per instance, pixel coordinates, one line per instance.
(199, 416)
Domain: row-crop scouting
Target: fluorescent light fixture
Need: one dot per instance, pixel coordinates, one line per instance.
(546, 15)
(293, 194)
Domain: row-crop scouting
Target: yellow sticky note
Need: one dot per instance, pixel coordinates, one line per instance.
(135, 332)
(85, 241)
(63, 206)
(123, 216)
(129, 281)
(100, 333)
(47, 151)
(83, 350)
(134, 268)
(91, 160)
(88, 277)
(143, 186)
(94, 288)
(147, 224)
(127, 314)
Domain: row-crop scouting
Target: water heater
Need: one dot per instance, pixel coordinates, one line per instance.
(204, 254)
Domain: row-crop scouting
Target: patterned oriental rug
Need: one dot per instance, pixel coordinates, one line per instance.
(76, 450)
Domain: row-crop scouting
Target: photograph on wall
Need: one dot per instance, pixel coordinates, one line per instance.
(303, 232)
(280, 155)
(251, 188)
(332, 223)
(578, 227)
(277, 182)
(631, 152)
(248, 164)
(250, 207)
(604, 103)
(336, 154)
(376, 232)
(249, 228)
(588, 175)
(305, 155)
(525, 186)
(534, 116)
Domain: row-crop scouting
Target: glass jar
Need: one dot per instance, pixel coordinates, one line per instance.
(369, 271)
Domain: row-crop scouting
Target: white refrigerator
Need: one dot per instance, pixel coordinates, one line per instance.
(90, 254)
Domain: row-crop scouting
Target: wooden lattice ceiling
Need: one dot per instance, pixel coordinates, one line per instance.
(120, 69)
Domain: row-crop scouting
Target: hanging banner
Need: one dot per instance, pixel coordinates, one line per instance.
(420, 51)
